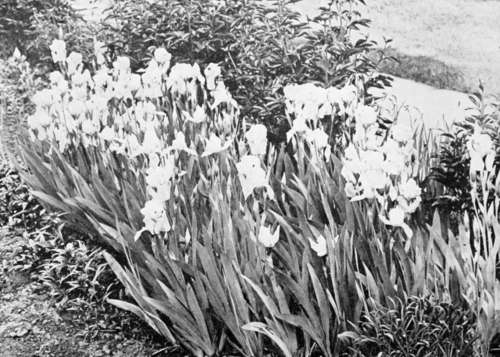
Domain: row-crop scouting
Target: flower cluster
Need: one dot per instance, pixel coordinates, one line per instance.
(481, 151)
(115, 109)
(166, 115)
(135, 114)
(378, 165)
(308, 105)
(311, 102)
(152, 117)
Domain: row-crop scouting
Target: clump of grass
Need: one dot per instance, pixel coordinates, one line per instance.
(417, 327)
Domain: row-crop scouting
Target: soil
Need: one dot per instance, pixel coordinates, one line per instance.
(34, 324)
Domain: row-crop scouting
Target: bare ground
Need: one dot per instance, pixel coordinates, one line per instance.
(33, 324)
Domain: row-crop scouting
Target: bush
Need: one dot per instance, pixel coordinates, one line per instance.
(416, 327)
(189, 204)
(261, 47)
(22, 20)
(453, 169)
(17, 86)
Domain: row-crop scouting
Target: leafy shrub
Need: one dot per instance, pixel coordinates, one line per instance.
(17, 86)
(453, 169)
(416, 327)
(21, 21)
(31, 25)
(261, 46)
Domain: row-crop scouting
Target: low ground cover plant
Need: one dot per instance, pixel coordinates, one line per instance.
(49, 253)
(417, 327)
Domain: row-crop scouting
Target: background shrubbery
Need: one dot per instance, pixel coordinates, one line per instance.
(31, 25)
(261, 46)
(452, 170)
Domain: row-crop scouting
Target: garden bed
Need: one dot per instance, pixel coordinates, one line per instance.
(234, 177)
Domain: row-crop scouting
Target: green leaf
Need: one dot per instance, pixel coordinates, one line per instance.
(265, 330)
(195, 309)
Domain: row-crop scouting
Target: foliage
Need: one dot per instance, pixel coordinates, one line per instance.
(207, 257)
(19, 210)
(21, 21)
(416, 327)
(72, 271)
(54, 257)
(452, 169)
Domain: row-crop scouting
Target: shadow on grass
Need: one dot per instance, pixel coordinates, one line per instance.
(422, 69)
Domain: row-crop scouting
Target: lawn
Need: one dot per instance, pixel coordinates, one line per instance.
(463, 34)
